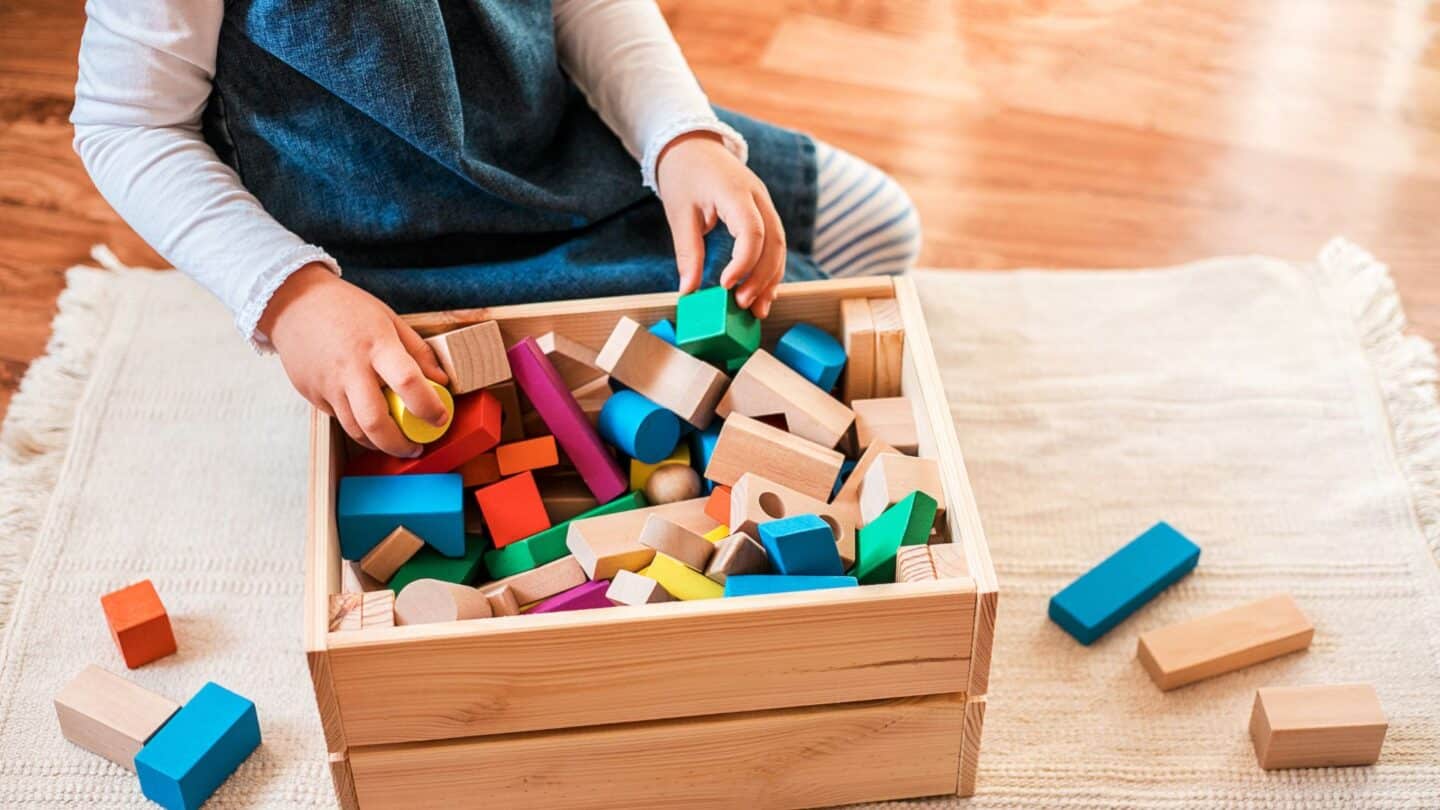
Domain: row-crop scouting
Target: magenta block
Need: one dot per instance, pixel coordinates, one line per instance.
(580, 597)
(537, 377)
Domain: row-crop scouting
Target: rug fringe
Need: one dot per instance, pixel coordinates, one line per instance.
(1406, 368)
(36, 430)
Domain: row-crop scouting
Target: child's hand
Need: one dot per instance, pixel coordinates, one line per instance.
(338, 343)
(700, 183)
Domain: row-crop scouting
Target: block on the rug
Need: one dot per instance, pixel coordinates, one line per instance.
(138, 623)
(197, 750)
(108, 715)
(1317, 726)
(1093, 604)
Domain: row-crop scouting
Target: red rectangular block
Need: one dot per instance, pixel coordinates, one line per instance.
(474, 429)
(138, 623)
(512, 509)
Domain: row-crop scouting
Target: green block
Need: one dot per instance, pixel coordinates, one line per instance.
(711, 326)
(907, 523)
(549, 545)
(431, 564)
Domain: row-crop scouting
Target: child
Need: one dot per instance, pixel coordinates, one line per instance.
(446, 154)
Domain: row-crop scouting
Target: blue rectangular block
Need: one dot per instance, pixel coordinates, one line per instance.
(1101, 598)
(198, 748)
(812, 353)
(802, 544)
(760, 584)
(369, 507)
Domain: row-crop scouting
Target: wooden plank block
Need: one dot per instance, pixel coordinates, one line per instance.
(552, 400)
(857, 335)
(503, 602)
(472, 357)
(681, 580)
(108, 715)
(662, 373)
(1194, 650)
(737, 553)
(630, 588)
(889, 346)
(1102, 597)
(426, 601)
(513, 509)
(813, 353)
(414, 428)
(890, 420)
(370, 507)
(747, 445)
(512, 421)
(672, 483)
(194, 753)
(768, 584)
(609, 543)
(138, 623)
(1317, 726)
(539, 583)
(831, 755)
(765, 386)
(894, 476)
(801, 545)
(474, 429)
(592, 396)
(382, 561)
(572, 359)
(849, 494)
(676, 542)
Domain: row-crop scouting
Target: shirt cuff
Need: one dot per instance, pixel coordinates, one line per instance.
(733, 141)
(247, 318)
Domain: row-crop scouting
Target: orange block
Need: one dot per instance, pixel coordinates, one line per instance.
(138, 623)
(479, 471)
(718, 506)
(512, 509)
(531, 454)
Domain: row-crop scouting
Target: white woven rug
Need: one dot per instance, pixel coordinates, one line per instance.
(1270, 411)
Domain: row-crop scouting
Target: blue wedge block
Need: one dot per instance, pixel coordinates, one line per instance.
(1092, 605)
(198, 748)
(369, 507)
(812, 353)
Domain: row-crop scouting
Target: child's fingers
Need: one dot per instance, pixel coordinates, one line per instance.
(341, 408)
(770, 267)
(373, 417)
(687, 229)
(421, 351)
(742, 219)
(400, 371)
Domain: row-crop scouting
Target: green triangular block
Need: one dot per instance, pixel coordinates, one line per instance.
(549, 545)
(431, 564)
(711, 326)
(907, 523)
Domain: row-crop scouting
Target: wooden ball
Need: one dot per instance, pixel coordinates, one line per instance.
(671, 483)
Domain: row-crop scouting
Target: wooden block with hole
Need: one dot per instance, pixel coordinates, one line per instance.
(1190, 651)
(473, 357)
(382, 561)
(857, 336)
(676, 541)
(755, 500)
(890, 420)
(678, 382)
(889, 347)
(894, 476)
(574, 360)
(609, 543)
(108, 715)
(1317, 726)
(139, 624)
(748, 445)
(765, 386)
(527, 455)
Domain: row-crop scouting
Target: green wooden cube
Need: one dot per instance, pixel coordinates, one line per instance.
(907, 523)
(711, 326)
(431, 564)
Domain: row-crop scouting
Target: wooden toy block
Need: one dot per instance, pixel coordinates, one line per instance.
(711, 326)
(1101, 598)
(640, 472)
(138, 623)
(1191, 651)
(431, 564)
(913, 564)
(801, 544)
(194, 753)
(894, 476)
(685, 385)
(907, 523)
(540, 381)
(540, 583)
(671, 483)
(572, 359)
(890, 420)
(503, 602)
(949, 560)
(549, 545)
(762, 584)
(737, 554)
(755, 500)
(359, 611)
(472, 357)
(382, 561)
(849, 494)
(701, 448)
(353, 580)
(609, 543)
(857, 336)
(529, 454)
(846, 467)
(480, 471)
(889, 346)
(1317, 726)
(512, 418)
(718, 504)
(592, 396)
(370, 507)
(813, 354)
(565, 495)
(717, 534)
(108, 715)
(681, 581)
(428, 601)
(640, 428)
(677, 542)
(746, 445)
(765, 386)
(474, 429)
(630, 588)
(513, 509)
(581, 597)
(416, 429)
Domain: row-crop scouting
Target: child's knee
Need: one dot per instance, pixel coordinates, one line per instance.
(867, 224)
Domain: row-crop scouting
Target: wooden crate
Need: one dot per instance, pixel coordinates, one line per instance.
(792, 700)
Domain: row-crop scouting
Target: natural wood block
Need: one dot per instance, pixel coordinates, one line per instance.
(473, 357)
(574, 360)
(682, 581)
(539, 583)
(528, 454)
(382, 561)
(671, 483)
(889, 347)
(894, 476)
(747, 445)
(359, 611)
(677, 542)
(503, 602)
(686, 385)
(849, 494)
(765, 387)
(353, 580)
(1317, 726)
(737, 554)
(608, 543)
(755, 500)
(512, 424)
(592, 396)
(890, 420)
(1194, 650)
(564, 495)
(427, 601)
(913, 564)
(419, 430)
(949, 560)
(138, 623)
(630, 588)
(480, 471)
(513, 509)
(108, 715)
(857, 335)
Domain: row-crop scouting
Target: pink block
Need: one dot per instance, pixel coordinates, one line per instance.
(537, 377)
(580, 597)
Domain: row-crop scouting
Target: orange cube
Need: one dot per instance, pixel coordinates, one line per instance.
(138, 623)
(513, 509)
(531, 454)
(718, 505)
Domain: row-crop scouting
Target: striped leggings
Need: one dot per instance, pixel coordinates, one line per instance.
(865, 224)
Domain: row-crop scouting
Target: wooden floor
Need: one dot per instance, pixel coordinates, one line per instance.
(1092, 133)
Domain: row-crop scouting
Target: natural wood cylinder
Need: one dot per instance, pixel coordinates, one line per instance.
(426, 601)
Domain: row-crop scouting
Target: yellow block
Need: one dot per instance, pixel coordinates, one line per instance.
(417, 429)
(717, 534)
(640, 471)
(682, 581)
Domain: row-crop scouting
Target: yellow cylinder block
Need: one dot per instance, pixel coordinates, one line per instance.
(416, 429)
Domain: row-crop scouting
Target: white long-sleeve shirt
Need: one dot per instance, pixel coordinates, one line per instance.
(145, 76)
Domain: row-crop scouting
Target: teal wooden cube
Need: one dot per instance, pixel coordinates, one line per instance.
(711, 326)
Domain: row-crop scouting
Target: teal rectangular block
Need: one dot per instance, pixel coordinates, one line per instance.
(711, 326)
(761, 584)
(432, 506)
(1092, 605)
(198, 748)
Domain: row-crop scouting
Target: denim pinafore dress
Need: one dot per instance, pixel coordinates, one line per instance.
(436, 149)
